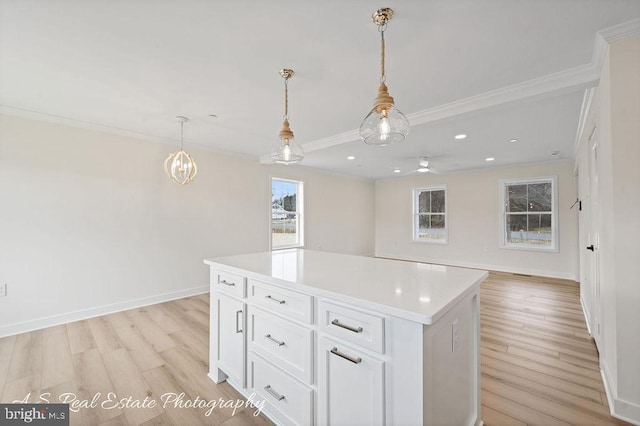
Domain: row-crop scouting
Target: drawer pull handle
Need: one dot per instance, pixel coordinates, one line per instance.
(282, 302)
(348, 327)
(277, 342)
(273, 393)
(238, 321)
(356, 360)
(225, 282)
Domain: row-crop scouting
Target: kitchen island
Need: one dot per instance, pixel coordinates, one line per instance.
(327, 338)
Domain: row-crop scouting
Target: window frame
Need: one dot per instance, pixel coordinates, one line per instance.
(299, 213)
(504, 183)
(415, 214)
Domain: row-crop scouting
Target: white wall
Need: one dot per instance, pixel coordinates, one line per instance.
(617, 118)
(89, 222)
(473, 215)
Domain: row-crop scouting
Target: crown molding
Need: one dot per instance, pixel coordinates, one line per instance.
(572, 79)
(111, 130)
(608, 36)
(582, 77)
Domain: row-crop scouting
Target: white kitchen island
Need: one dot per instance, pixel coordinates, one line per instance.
(332, 339)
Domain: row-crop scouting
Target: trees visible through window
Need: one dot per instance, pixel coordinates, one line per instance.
(286, 214)
(430, 214)
(529, 214)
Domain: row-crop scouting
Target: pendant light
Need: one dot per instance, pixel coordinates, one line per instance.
(180, 166)
(384, 125)
(286, 150)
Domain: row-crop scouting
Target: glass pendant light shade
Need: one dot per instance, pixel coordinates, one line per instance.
(385, 124)
(386, 127)
(286, 150)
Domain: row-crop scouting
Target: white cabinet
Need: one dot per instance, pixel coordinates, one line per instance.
(231, 338)
(227, 344)
(350, 386)
(347, 347)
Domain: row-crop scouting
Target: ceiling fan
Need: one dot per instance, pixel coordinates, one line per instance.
(424, 166)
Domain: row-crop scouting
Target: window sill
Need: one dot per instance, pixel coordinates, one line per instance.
(287, 247)
(525, 247)
(436, 242)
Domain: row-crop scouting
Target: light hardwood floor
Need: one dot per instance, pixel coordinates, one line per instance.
(539, 366)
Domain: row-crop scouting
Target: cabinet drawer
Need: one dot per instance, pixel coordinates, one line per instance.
(228, 283)
(285, 344)
(295, 305)
(292, 400)
(361, 328)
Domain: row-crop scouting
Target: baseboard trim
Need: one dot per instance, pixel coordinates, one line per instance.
(619, 408)
(40, 323)
(472, 265)
(585, 314)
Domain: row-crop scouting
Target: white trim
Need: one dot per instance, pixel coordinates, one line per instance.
(583, 76)
(483, 266)
(587, 100)
(608, 36)
(414, 212)
(503, 244)
(78, 124)
(39, 323)
(585, 314)
(619, 408)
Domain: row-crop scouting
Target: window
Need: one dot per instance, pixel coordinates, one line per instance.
(529, 214)
(430, 215)
(286, 214)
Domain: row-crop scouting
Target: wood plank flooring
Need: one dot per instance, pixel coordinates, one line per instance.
(141, 353)
(539, 366)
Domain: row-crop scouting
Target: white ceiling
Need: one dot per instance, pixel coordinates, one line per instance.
(493, 69)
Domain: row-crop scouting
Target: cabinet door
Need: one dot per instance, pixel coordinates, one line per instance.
(231, 335)
(350, 386)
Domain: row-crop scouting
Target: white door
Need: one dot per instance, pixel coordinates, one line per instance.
(231, 345)
(584, 236)
(594, 239)
(350, 386)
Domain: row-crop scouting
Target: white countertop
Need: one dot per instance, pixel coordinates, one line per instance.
(414, 291)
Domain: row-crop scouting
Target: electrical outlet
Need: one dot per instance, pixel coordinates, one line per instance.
(454, 335)
(3, 289)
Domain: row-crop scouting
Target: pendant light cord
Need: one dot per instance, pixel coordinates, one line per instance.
(181, 136)
(286, 98)
(381, 28)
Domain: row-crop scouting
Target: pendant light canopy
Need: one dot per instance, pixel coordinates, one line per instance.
(286, 150)
(385, 124)
(180, 166)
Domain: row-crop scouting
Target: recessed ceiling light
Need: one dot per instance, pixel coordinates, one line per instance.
(489, 159)
(213, 116)
(460, 136)
(423, 170)
(513, 140)
(396, 170)
(555, 153)
(351, 157)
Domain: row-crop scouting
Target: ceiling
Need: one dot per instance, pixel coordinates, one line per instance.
(492, 69)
